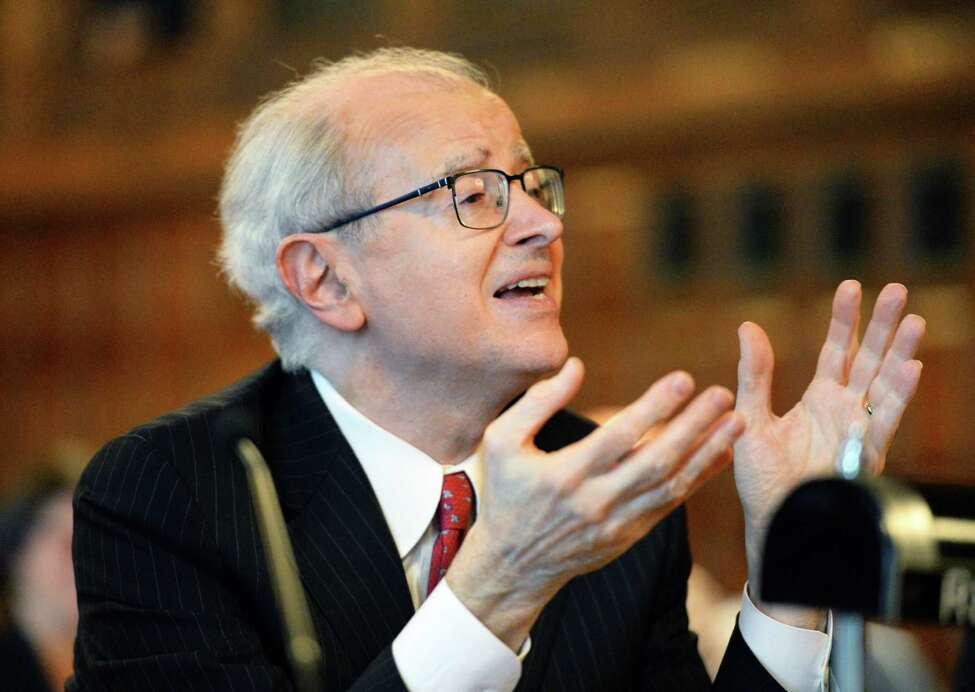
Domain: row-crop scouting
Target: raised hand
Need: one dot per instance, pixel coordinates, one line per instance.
(544, 518)
(775, 453)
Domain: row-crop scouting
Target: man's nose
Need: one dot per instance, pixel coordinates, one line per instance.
(530, 223)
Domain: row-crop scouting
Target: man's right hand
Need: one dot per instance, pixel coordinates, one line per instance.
(544, 518)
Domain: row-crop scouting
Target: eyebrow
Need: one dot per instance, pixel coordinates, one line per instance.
(465, 162)
(523, 153)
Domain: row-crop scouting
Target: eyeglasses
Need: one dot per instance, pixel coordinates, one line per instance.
(481, 196)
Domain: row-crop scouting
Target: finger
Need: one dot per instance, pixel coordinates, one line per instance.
(709, 458)
(517, 427)
(835, 356)
(674, 445)
(878, 337)
(755, 367)
(888, 413)
(618, 436)
(903, 348)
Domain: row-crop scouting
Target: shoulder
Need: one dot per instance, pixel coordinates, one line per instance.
(249, 394)
(190, 436)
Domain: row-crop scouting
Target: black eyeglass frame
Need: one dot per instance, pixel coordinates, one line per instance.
(447, 181)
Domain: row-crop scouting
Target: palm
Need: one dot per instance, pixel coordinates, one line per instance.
(802, 444)
(778, 453)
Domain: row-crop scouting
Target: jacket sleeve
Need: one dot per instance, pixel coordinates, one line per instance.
(157, 608)
(674, 662)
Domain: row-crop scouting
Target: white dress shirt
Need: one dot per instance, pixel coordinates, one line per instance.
(796, 658)
(407, 483)
(443, 646)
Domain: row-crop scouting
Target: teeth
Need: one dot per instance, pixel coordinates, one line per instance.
(528, 283)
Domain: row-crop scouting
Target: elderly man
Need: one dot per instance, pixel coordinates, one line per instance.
(404, 252)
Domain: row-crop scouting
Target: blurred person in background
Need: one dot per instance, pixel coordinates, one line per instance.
(38, 611)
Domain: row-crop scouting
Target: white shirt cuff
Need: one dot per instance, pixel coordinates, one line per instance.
(795, 657)
(444, 647)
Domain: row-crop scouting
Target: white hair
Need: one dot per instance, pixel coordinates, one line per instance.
(291, 171)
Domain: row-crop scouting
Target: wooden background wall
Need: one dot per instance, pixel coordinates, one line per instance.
(679, 125)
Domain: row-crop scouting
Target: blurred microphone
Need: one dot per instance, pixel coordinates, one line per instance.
(878, 548)
(887, 548)
(301, 645)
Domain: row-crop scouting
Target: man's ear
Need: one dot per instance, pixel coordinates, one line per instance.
(310, 267)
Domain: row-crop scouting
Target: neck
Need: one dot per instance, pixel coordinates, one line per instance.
(441, 413)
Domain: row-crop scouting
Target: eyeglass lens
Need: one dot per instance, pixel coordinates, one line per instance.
(545, 185)
(481, 197)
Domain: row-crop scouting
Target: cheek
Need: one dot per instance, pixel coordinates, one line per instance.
(440, 302)
(558, 254)
(428, 281)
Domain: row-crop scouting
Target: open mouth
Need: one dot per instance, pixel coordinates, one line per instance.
(526, 288)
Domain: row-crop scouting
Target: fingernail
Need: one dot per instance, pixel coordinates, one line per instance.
(720, 396)
(681, 383)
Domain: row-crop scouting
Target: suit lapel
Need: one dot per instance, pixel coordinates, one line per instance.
(344, 550)
(345, 553)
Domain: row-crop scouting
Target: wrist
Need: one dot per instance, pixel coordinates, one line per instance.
(506, 603)
(794, 616)
(754, 547)
(509, 618)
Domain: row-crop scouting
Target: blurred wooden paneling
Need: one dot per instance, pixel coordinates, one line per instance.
(108, 326)
(112, 311)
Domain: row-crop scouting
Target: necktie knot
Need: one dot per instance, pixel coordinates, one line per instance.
(456, 502)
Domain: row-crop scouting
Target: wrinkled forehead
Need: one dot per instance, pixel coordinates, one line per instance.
(411, 129)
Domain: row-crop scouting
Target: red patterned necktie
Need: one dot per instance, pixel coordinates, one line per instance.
(452, 521)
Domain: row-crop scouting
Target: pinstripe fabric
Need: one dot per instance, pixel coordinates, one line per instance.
(173, 592)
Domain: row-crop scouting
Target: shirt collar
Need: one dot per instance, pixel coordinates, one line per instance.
(407, 481)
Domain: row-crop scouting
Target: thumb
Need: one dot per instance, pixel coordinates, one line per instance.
(518, 426)
(754, 372)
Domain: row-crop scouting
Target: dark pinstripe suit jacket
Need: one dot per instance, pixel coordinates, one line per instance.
(174, 594)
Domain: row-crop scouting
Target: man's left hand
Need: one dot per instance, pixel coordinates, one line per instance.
(776, 454)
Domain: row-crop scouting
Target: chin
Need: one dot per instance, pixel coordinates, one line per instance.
(544, 356)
